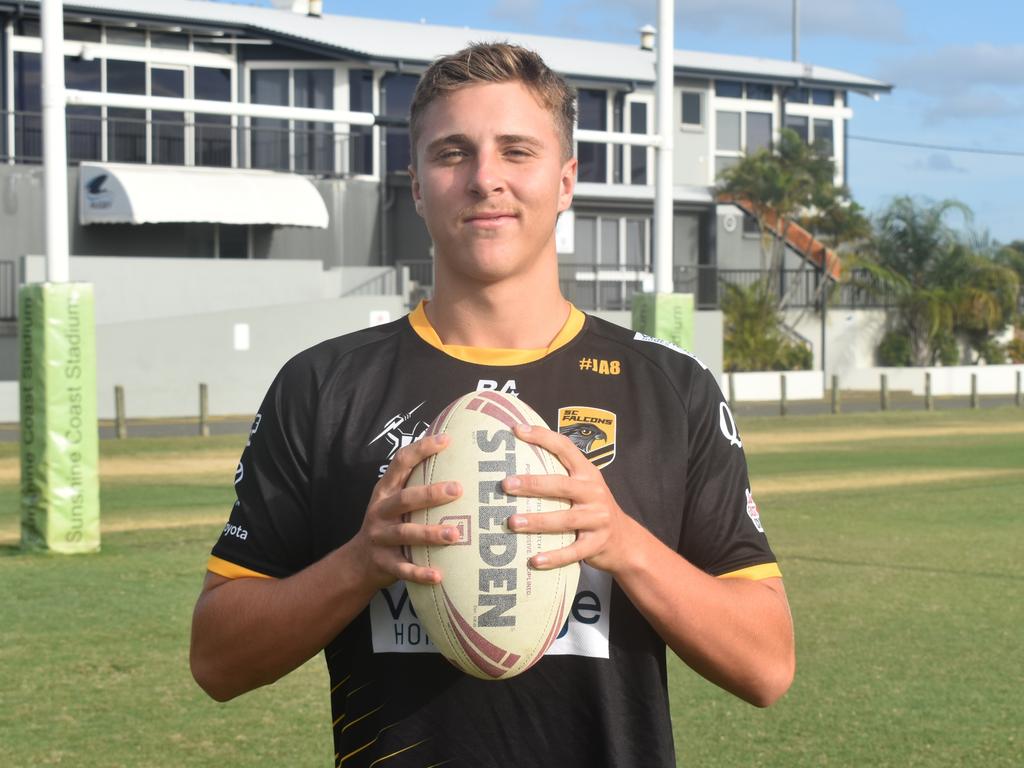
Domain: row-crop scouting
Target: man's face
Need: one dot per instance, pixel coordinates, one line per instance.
(490, 181)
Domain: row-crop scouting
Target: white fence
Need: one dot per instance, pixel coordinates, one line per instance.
(755, 386)
(946, 380)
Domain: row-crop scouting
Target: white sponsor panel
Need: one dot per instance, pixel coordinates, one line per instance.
(674, 347)
(396, 629)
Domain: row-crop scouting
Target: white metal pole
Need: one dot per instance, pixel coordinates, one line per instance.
(796, 30)
(663, 282)
(55, 156)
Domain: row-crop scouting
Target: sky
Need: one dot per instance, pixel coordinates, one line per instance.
(957, 70)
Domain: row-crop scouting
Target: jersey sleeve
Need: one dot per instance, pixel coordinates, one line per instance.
(722, 532)
(268, 532)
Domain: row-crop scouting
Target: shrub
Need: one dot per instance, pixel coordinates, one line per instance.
(945, 350)
(992, 352)
(1015, 350)
(894, 350)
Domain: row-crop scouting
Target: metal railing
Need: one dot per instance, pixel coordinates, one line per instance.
(168, 138)
(798, 287)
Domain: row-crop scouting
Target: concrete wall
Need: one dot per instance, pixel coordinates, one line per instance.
(759, 386)
(137, 288)
(852, 336)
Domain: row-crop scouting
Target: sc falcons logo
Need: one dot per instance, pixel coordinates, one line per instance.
(97, 193)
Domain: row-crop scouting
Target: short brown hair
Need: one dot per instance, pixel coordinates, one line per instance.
(496, 63)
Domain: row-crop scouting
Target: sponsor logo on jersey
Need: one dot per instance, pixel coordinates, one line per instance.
(395, 627)
(592, 430)
(752, 512)
(399, 431)
(235, 530)
(255, 427)
(654, 340)
(508, 388)
(727, 423)
(239, 473)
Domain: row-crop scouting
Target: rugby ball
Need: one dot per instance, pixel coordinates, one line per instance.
(492, 615)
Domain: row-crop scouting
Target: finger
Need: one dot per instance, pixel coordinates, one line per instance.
(418, 497)
(407, 458)
(419, 574)
(564, 449)
(579, 550)
(415, 534)
(570, 520)
(544, 486)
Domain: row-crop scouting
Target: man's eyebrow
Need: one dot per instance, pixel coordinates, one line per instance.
(514, 138)
(462, 140)
(458, 139)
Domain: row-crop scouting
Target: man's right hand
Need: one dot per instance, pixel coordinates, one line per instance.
(385, 530)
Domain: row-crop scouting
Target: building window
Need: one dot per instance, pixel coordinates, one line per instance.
(360, 139)
(86, 33)
(759, 131)
(168, 128)
(723, 163)
(314, 141)
(823, 138)
(797, 95)
(269, 136)
(126, 128)
(28, 121)
(592, 114)
(213, 132)
(727, 131)
(798, 124)
(693, 116)
(638, 155)
(174, 40)
(396, 95)
(728, 89)
(83, 123)
(759, 91)
(126, 36)
(825, 97)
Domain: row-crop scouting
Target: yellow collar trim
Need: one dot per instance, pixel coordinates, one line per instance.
(484, 356)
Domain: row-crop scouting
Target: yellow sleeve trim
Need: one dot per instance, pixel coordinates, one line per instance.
(231, 571)
(755, 572)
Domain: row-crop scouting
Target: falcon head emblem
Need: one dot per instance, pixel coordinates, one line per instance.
(583, 436)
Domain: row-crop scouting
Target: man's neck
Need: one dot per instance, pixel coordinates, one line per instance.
(503, 316)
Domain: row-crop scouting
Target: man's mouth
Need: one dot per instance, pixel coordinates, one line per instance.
(489, 219)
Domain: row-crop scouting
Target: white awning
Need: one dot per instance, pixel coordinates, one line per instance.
(122, 193)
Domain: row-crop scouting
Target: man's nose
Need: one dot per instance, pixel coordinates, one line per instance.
(486, 178)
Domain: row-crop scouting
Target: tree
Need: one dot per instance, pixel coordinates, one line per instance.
(944, 287)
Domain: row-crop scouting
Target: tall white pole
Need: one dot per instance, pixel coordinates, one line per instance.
(55, 156)
(796, 30)
(663, 279)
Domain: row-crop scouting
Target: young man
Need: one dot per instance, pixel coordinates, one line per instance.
(671, 543)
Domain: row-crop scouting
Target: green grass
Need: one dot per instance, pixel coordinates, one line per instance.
(908, 602)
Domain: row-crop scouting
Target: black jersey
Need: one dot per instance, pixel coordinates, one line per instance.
(648, 414)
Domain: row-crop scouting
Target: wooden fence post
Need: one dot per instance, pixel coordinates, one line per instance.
(204, 411)
(120, 427)
(732, 391)
(782, 396)
(974, 390)
(836, 406)
(885, 392)
(1020, 394)
(929, 403)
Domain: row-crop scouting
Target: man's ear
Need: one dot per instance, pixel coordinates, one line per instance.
(567, 185)
(416, 196)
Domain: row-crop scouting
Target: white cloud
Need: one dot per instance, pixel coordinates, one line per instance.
(938, 162)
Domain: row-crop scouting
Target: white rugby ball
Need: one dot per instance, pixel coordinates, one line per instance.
(492, 615)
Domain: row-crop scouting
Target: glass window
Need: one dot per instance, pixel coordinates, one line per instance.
(797, 95)
(759, 91)
(728, 131)
(729, 89)
(126, 128)
(175, 40)
(797, 123)
(609, 242)
(750, 225)
(269, 136)
(213, 132)
(210, 46)
(823, 138)
(592, 115)
(126, 36)
(86, 33)
(233, 241)
(360, 140)
(638, 155)
(27, 28)
(586, 239)
(824, 96)
(397, 90)
(83, 123)
(314, 141)
(721, 163)
(692, 113)
(168, 127)
(28, 121)
(635, 257)
(759, 131)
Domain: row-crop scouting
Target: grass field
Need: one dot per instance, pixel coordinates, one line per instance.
(900, 535)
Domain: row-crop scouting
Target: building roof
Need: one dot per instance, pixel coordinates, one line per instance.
(421, 43)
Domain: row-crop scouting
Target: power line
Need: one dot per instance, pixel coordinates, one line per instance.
(943, 147)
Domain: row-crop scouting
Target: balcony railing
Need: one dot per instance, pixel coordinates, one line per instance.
(127, 136)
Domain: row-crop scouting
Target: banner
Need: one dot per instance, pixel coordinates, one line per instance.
(666, 316)
(60, 506)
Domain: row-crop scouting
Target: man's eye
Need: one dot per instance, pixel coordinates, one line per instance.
(451, 154)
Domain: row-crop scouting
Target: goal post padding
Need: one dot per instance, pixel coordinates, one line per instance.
(60, 508)
(666, 316)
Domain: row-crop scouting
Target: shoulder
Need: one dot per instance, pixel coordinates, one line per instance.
(680, 367)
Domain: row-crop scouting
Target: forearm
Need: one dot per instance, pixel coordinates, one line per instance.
(736, 633)
(249, 632)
